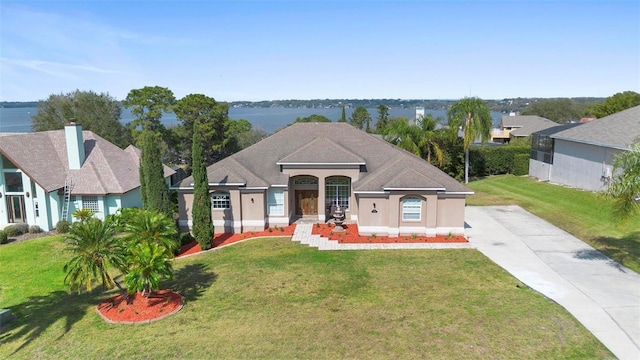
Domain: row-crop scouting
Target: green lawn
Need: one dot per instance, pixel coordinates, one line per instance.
(581, 213)
(273, 298)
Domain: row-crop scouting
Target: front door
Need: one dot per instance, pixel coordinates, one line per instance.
(15, 208)
(306, 202)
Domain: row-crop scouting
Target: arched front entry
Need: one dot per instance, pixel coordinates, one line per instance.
(306, 195)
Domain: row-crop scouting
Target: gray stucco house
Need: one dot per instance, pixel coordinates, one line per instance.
(36, 168)
(581, 155)
(308, 169)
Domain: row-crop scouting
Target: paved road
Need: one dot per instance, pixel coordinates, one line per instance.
(603, 295)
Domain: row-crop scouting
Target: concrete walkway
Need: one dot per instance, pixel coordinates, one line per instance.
(600, 293)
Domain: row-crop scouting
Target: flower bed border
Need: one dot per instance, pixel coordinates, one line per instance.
(350, 235)
(105, 317)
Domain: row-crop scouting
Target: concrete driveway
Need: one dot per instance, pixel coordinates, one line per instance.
(603, 295)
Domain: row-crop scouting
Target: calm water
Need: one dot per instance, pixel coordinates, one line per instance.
(267, 119)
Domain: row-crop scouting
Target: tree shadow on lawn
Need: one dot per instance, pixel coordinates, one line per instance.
(191, 281)
(625, 250)
(38, 313)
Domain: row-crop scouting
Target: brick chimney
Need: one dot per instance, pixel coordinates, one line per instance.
(75, 145)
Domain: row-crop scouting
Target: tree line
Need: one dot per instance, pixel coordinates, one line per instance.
(101, 113)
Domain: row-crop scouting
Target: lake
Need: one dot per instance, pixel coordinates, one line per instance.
(267, 119)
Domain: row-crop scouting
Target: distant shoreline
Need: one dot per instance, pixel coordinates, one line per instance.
(505, 105)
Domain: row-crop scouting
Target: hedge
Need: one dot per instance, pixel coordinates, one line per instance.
(497, 160)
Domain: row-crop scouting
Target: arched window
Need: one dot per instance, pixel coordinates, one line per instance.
(305, 180)
(220, 200)
(411, 209)
(338, 191)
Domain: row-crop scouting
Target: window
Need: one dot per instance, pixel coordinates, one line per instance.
(275, 202)
(305, 180)
(411, 209)
(13, 182)
(542, 148)
(221, 200)
(90, 203)
(337, 191)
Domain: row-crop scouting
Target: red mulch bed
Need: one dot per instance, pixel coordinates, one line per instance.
(350, 236)
(158, 305)
(226, 239)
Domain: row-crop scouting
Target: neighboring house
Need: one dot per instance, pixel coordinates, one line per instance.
(581, 155)
(307, 169)
(36, 168)
(519, 126)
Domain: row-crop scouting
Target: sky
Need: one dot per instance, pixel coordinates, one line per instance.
(276, 50)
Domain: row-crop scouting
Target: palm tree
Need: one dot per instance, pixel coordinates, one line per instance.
(151, 241)
(473, 117)
(417, 139)
(625, 184)
(148, 265)
(96, 249)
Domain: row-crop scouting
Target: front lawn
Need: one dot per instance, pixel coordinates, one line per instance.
(581, 213)
(273, 298)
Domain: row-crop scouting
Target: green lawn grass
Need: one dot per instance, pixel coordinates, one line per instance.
(581, 213)
(273, 298)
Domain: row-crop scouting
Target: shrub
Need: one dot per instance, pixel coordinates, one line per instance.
(34, 229)
(62, 227)
(83, 214)
(186, 238)
(494, 160)
(22, 228)
(11, 231)
(521, 164)
(3, 237)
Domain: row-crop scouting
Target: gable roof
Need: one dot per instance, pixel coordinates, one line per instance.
(387, 166)
(322, 151)
(616, 131)
(107, 169)
(525, 125)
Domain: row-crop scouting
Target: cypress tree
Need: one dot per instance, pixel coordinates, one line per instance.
(201, 211)
(343, 118)
(153, 188)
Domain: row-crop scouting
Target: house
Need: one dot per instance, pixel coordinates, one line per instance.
(581, 155)
(309, 169)
(37, 168)
(519, 126)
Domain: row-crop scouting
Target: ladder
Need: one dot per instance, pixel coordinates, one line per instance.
(68, 184)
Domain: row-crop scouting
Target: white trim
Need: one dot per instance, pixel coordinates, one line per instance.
(225, 184)
(253, 223)
(320, 164)
(420, 230)
(371, 192)
(321, 217)
(379, 230)
(256, 188)
(277, 220)
(415, 189)
(459, 192)
(354, 217)
(180, 188)
(282, 186)
(227, 223)
(450, 230)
